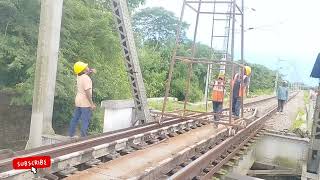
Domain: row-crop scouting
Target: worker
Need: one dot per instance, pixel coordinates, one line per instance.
(83, 100)
(217, 96)
(282, 95)
(239, 90)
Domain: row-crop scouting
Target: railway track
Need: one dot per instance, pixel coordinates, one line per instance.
(110, 145)
(209, 164)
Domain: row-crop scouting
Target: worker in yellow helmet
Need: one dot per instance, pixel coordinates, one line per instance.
(247, 70)
(83, 101)
(217, 96)
(239, 90)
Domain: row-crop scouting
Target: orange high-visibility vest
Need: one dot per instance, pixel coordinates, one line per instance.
(217, 92)
(242, 88)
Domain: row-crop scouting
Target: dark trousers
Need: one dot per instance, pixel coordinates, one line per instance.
(85, 114)
(236, 106)
(217, 108)
(280, 105)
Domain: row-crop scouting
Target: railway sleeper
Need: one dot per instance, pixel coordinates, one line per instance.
(181, 131)
(187, 128)
(163, 136)
(230, 150)
(112, 156)
(225, 154)
(126, 151)
(173, 171)
(139, 146)
(204, 122)
(193, 126)
(216, 161)
(68, 171)
(199, 149)
(152, 141)
(204, 151)
(184, 164)
(218, 141)
(208, 169)
(82, 167)
(172, 134)
(196, 178)
(93, 162)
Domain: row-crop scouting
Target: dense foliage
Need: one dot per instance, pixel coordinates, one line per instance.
(88, 34)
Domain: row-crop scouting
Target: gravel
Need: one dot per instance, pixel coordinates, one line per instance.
(284, 121)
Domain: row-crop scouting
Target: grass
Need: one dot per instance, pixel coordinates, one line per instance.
(200, 106)
(176, 105)
(306, 97)
(260, 92)
(299, 121)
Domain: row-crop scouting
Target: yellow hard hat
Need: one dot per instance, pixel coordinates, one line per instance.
(221, 74)
(247, 70)
(79, 67)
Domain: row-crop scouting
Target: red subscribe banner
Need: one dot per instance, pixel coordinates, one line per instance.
(32, 162)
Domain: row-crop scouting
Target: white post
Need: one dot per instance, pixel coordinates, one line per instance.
(46, 70)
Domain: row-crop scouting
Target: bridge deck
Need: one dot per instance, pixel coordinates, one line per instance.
(134, 164)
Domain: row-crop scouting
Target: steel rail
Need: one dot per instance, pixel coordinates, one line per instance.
(196, 167)
(117, 140)
(57, 150)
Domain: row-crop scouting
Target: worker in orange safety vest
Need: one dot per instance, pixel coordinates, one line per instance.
(217, 96)
(239, 90)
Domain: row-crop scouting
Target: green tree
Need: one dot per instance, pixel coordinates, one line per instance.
(87, 34)
(157, 25)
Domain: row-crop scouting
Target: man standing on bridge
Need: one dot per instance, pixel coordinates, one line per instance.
(83, 101)
(282, 95)
(218, 96)
(239, 90)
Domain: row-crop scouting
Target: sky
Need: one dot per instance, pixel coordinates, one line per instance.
(288, 30)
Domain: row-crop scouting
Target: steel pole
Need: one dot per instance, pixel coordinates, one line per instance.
(173, 59)
(190, 64)
(242, 51)
(232, 59)
(206, 88)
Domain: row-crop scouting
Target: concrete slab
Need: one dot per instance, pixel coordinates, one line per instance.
(281, 150)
